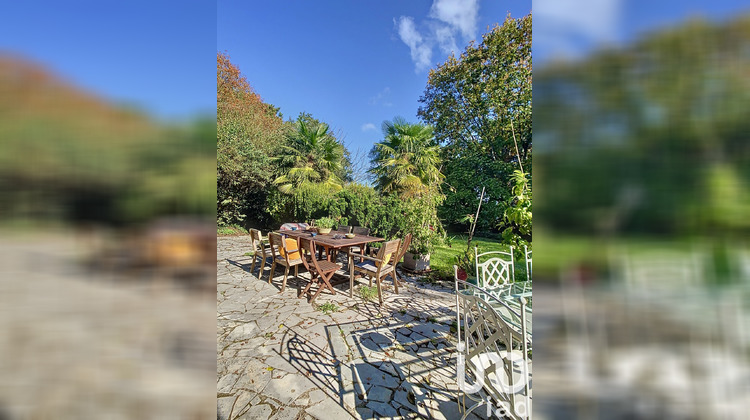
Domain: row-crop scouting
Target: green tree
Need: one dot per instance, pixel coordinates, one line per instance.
(311, 155)
(477, 103)
(407, 161)
(650, 137)
(517, 216)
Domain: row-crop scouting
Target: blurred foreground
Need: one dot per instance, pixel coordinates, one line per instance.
(83, 343)
(642, 194)
(655, 340)
(107, 247)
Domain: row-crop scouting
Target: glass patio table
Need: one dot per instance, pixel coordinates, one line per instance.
(509, 300)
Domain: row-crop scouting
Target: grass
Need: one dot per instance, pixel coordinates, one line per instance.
(559, 252)
(368, 293)
(444, 256)
(328, 307)
(230, 231)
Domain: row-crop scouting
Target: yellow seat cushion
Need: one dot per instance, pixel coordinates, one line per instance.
(290, 244)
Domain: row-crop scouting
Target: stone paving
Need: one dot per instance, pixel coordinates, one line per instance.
(280, 357)
(83, 344)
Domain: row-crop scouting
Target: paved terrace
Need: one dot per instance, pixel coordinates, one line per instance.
(279, 357)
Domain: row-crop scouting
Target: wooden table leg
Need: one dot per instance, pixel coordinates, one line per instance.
(351, 275)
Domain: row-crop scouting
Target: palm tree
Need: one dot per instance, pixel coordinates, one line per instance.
(312, 156)
(406, 161)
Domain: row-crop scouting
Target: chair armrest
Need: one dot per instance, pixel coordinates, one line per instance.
(367, 257)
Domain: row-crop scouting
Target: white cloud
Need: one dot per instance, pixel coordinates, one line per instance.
(382, 98)
(461, 14)
(446, 39)
(448, 24)
(421, 52)
(368, 127)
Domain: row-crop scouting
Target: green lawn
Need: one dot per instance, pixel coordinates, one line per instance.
(444, 256)
(230, 231)
(559, 252)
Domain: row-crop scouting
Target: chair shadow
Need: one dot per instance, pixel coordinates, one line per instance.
(291, 280)
(373, 361)
(321, 367)
(244, 267)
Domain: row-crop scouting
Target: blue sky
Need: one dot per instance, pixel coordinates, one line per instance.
(156, 55)
(570, 28)
(351, 64)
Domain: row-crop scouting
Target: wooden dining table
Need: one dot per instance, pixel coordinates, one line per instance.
(331, 241)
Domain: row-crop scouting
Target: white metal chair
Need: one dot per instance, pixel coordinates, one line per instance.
(493, 354)
(527, 253)
(496, 268)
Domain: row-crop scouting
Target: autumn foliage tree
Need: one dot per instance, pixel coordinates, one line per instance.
(248, 133)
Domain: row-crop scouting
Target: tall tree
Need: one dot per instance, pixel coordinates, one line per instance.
(650, 137)
(407, 161)
(477, 103)
(248, 133)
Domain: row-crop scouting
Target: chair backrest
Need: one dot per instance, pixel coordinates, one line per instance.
(388, 249)
(494, 267)
(527, 253)
(344, 229)
(359, 230)
(288, 248)
(307, 248)
(276, 242)
(492, 350)
(256, 240)
(403, 248)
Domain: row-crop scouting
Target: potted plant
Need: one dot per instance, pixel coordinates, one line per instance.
(417, 257)
(465, 265)
(325, 224)
(420, 219)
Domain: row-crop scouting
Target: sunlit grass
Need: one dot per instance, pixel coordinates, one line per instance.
(444, 256)
(230, 230)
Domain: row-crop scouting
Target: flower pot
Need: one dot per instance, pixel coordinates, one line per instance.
(462, 275)
(324, 231)
(416, 262)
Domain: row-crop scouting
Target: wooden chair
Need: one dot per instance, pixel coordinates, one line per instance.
(258, 244)
(359, 231)
(400, 255)
(377, 267)
(285, 252)
(321, 271)
(344, 229)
